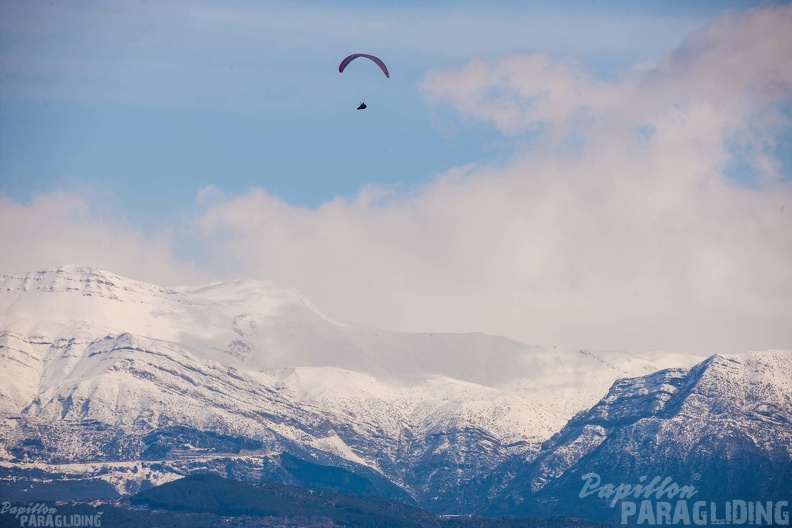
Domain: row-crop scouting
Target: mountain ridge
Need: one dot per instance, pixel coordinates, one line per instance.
(105, 370)
(723, 426)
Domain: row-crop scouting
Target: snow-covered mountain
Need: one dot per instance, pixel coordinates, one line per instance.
(723, 427)
(100, 368)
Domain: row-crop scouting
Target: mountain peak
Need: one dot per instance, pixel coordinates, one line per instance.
(91, 357)
(72, 279)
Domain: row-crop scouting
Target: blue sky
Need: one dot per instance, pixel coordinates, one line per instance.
(185, 141)
(149, 102)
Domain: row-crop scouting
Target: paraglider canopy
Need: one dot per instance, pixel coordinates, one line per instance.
(377, 61)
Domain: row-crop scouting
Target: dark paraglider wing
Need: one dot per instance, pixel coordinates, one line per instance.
(377, 61)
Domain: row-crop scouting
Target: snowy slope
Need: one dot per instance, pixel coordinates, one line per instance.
(723, 426)
(255, 360)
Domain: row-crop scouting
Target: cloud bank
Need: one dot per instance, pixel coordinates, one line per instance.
(63, 228)
(618, 225)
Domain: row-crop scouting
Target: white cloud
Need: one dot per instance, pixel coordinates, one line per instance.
(616, 228)
(209, 195)
(633, 238)
(63, 228)
(736, 65)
